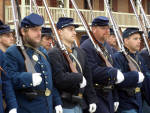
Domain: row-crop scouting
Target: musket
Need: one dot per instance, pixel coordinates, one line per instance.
(98, 47)
(62, 47)
(141, 25)
(131, 62)
(91, 9)
(28, 64)
(60, 44)
(61, 6)
(36, 7)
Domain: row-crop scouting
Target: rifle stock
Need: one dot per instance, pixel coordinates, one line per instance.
(118, 34)
(28, 64)
(61, 46)
(95, 43)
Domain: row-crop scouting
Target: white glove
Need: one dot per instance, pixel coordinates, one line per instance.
(14, 110)
(116, 104)
(92, 108)
(36, 79)
(120, 77)
(141, 77)
(83, 84)
(58, 109)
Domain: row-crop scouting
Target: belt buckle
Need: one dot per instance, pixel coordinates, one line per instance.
(80, 95)
(47, 92)
(137, 90)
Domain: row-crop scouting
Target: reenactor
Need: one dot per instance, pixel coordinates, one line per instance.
(104, 78)
(47, 40)
(6, 40)
(6, 37)
(112, 41)
(75, 87)
(130, 90)
(145, 55)
(34, 91)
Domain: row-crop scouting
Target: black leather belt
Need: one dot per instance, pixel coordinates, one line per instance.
(131, 91)
(104, 88)
(27, 92)
(69, 97)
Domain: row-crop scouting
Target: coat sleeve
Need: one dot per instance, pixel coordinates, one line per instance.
(146, 83)
(19, 79)
(9, 93)
(56, 97)
(131, 77)
(7, 88)
(101, 74)
(63, 78)
(90, 93)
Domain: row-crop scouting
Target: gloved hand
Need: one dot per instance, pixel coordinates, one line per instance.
(116, 104)
(141, 77)
(58, 109)
(120, 77)
(36, 79)
(14, 110)
(83, 84)
(92, 108)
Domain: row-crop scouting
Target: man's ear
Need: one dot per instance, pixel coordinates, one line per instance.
(93, 29)
(22, 30)
(126, 41)
(60, 33)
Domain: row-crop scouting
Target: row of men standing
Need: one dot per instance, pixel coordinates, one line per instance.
(94, 88)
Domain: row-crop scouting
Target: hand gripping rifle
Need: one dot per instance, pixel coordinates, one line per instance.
(131, 62)
(98, 47)
(141, 24)
(28, 64)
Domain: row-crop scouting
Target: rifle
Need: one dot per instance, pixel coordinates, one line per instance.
(61, 6)
(141, 23)
(61, 46)
(131, 63)
(28, 64)
(90, 7)
(98, 47)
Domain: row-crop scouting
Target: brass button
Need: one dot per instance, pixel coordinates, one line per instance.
(47, 92)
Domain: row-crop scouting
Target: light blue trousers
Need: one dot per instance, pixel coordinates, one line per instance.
(128, 111)
(76, 109)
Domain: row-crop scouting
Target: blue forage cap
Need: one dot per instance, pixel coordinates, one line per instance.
(130, 31)
(83, 38)
(4, 28)
(32, 20)
(112, 31)
(47, 31)
(65, 22)
(100, 21)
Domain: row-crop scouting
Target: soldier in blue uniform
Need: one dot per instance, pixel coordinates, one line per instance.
(74, 87)
(112, 41)
(47, 38)
(6, 40)
(104, 77)
(145, 55)
(34, 92)
(130, 96)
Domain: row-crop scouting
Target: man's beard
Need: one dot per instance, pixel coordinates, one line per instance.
(31, 42)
